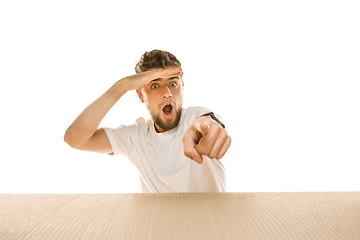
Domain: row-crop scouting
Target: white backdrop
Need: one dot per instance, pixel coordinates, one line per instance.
(284, 75)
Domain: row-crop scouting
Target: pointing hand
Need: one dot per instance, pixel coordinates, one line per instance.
(205, 137)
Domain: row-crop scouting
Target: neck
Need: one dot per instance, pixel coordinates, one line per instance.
(158, 129)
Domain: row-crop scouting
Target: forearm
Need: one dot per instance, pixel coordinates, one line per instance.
(86, 124)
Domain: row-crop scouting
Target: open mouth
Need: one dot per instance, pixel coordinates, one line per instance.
(167, 109)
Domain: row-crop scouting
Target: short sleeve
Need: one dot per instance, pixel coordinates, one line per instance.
(119, 139)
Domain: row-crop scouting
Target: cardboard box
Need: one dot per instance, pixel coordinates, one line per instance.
(315, 215)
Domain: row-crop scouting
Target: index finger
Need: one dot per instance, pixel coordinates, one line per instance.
(190, 139)
(207, 142)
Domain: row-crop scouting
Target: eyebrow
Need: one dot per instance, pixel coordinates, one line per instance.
(157, 79)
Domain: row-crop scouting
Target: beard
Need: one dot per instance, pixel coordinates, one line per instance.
(166, 124)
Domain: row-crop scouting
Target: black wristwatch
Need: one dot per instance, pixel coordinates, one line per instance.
(212, 115)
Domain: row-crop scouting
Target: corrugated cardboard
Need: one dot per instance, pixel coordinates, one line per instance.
(320, 215)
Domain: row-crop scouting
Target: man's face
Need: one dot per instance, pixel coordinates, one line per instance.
(164, 98)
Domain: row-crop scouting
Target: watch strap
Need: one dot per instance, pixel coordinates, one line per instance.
(212, 115)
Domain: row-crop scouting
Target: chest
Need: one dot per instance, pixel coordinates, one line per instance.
(164, 155)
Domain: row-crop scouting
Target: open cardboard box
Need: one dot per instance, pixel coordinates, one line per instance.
(164, 216)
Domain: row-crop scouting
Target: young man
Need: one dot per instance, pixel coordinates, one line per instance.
(177, 150)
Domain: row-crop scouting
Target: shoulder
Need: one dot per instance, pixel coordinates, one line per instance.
(194, 112)
(139, 124)
(197, 111)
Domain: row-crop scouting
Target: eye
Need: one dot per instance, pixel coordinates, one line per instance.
(173, 84)
(154, 86)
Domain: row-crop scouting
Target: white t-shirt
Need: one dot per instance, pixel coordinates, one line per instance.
(159, 157)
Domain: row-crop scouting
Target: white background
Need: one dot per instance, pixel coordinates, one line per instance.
(284, 75)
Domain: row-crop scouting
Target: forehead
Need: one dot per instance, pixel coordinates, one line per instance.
(164, 79)
(160, 68)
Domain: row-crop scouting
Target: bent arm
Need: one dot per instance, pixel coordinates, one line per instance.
(83, 133)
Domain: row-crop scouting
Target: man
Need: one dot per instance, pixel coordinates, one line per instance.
(177, 150)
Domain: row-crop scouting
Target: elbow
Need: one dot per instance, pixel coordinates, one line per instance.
(69, 139)
(74, 139)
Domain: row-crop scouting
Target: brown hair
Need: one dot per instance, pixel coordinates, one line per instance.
(156, 59)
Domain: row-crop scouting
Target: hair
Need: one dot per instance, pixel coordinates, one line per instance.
(156, 59)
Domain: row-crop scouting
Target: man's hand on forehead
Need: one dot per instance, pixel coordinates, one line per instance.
(170, 72)
(139, 80)
(169, 75)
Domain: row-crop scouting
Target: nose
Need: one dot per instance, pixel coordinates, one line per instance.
(167, 93)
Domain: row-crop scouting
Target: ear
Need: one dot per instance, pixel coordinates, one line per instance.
(141, 97)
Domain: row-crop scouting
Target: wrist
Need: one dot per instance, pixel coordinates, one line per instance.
(127, 83)
(118, 89)
(123, 85)
(214, 118)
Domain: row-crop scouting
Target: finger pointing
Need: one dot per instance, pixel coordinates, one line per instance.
(203, 127)
(190, 139)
